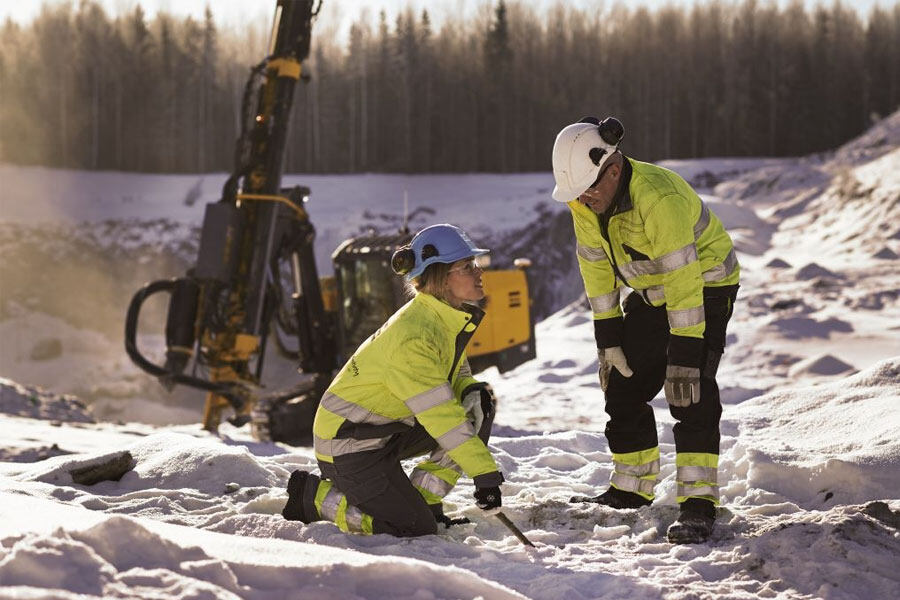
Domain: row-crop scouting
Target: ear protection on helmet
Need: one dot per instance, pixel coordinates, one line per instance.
(611, 131)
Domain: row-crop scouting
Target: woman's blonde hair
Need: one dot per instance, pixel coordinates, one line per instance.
(432, 281)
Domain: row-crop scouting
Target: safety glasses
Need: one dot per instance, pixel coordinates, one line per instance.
(469, 268)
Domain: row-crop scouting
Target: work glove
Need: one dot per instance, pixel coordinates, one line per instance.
(447, 522)
(438, 511)
(682, 385)
(477, 403)
(609, 358)
(488, 498)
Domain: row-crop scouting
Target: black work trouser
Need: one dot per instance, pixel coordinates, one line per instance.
(631, 425)
(376, 483)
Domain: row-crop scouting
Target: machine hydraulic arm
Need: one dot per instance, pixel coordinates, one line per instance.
(221, 311)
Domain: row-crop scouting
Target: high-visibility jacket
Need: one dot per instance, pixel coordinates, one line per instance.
(407, 371)
(658, 238)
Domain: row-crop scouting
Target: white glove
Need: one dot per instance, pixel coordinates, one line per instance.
(682, 385)
(472, 403)
(609, 358)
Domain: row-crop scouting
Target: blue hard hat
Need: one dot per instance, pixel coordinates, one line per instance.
(442, 243)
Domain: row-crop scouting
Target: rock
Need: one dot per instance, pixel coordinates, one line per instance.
(885, 253)
(111, 469)
(777, 263)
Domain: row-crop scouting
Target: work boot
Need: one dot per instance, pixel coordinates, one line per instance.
(301, 490)
(694, 524)
(615, 498)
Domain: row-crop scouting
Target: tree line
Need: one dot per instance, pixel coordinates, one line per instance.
(81, 89)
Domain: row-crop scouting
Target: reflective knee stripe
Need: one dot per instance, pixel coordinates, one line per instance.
(430, 482)
(436, 477)
(590, 254)
(686, 317)
(604, 303)
(723, 270)
(430, 398)
(636, 471)
(332, 506)
(696, 474)
(628, 483)
(328, 500)
(709, 492)
(638, 459)
(327, 449)
(691, 473)
(650, 468)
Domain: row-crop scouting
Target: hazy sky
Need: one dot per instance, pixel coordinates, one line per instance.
(340, 13)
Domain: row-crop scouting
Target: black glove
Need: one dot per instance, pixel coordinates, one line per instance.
(488, 498)
(438, 511)
(448, 522)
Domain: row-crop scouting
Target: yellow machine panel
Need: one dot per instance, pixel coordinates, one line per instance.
(507, 320)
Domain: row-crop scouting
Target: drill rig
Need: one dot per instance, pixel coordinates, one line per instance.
(255, 277)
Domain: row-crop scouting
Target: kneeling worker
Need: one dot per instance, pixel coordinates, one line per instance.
(641, 226)
(407, 391)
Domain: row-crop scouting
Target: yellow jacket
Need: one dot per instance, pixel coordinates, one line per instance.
(660, 239)
(412, 369)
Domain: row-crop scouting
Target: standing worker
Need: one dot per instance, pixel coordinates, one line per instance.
(641, 226)
(407, 391)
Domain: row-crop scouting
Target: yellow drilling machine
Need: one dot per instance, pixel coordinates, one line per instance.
(255, 278)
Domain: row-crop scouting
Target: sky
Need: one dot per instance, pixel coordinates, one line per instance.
(809, 456)
(339, 12)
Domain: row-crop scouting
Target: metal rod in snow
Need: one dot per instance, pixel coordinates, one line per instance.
(512, 527)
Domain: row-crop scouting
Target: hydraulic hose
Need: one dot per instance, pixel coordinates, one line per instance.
(231, 392)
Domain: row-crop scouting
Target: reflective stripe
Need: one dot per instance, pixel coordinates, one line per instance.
(589, 253)
(429, 399)
(629, 483)
(656, 293)
(339, 447)
(688, 491)
(465, 370)
(686, 317)
(723, 270)
(692, 474)
(354, 518)
(352, 412)
(604, 303)
(676, 259)
(664, 264)
(460, 434)
(330, 504)
(702, 221)
(650, 468)
(430, 482)
(349, 518)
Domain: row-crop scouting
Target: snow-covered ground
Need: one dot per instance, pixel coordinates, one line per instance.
(810, 455)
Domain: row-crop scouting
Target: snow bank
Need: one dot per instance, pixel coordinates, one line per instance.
(79, 552)
(836, 439)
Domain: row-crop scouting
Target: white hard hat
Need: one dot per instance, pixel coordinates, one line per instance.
(579, 154)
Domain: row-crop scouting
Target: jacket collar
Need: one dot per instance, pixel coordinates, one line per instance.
(622, 200)
(453, 319)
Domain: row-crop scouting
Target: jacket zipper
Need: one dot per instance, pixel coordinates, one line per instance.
(604, 231)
